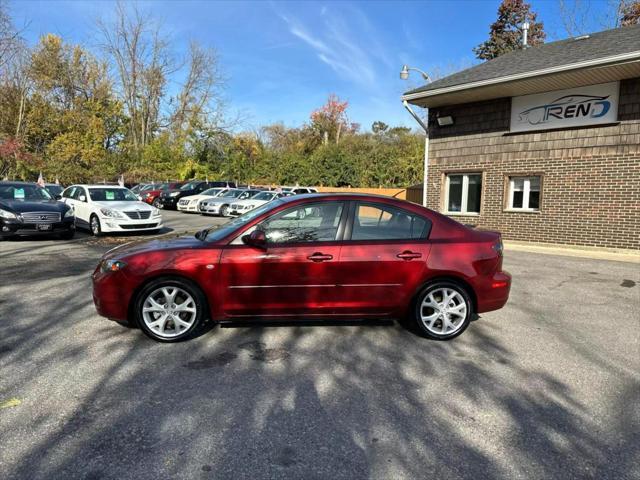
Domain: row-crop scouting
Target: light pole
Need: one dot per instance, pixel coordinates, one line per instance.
(404, 74)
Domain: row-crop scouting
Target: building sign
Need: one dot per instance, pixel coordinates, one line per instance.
(591, 105)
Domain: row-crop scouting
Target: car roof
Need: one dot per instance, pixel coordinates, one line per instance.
(96, 185)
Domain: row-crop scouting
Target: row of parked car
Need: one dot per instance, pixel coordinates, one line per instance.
(224, 199)
(28, 208)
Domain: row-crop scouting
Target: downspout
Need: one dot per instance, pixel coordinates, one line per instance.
(426, 149)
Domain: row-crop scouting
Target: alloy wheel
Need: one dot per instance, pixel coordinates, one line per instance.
(169, 311)
(443, 311)
(95, 226)
(223, 210)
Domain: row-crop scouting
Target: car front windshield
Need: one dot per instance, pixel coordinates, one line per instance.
(54, 189)
(264, 196)
(111, 195)
(23, 192)
(212, 192)
(190, 186)
(221, 231)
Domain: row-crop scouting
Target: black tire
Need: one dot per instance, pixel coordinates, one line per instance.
(223, 210)
(192, 289)
(68, 235)
(94, 226)
(158, 204)
(436, 288)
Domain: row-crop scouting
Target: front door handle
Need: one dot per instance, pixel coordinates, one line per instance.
(409, 255)
(320, 257)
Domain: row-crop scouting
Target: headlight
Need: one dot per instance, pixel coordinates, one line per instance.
(69, 213)
(107, 212)
(155, 212)
(5, 214)
(174, 194)
(111, 265)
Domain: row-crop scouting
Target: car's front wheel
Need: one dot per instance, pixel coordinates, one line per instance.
(170, 309)
(224, 209)
(157, 203)
(443, 310)
(94, 225)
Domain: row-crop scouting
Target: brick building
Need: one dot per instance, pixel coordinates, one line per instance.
(542, 144)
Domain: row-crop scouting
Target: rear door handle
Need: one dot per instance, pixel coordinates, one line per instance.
(320, 257)
(408, 255)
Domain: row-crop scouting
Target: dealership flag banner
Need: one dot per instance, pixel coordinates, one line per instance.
(121, 180)
(575, 107)
(40, 181)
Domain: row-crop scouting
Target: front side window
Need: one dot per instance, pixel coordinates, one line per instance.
(524, 193)
(463, 193)
(317, 222)
(382, 222)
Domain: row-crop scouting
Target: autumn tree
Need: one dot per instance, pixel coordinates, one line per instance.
(505, 34)
(629, 13)
(331, 120)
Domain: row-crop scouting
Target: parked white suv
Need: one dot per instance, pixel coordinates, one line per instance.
(108, 208)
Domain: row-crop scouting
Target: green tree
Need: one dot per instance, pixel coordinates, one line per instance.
(505, 34)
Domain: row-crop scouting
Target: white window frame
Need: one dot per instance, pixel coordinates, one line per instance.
(465, 193)
(526, 190)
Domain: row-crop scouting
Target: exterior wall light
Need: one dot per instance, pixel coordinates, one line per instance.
(445, 121)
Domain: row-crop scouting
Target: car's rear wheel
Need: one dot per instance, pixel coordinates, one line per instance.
(443, 310)
(94, 225)
(223, 210)
(170, 309)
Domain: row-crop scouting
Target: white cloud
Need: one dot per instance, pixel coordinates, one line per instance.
(335, 44)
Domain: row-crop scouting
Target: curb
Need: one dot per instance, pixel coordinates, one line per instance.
(616, 255)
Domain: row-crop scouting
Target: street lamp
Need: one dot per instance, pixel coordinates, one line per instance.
(404, 75)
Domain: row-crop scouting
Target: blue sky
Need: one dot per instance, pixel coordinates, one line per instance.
(282, 59)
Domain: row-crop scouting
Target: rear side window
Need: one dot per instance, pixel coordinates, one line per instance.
(382, 222)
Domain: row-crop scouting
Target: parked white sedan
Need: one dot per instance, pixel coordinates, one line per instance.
(106, 208)
(190, 203)
(243, 206)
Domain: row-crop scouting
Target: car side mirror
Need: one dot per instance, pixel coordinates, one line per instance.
(257, 239)
(82, 198)
(57, 197)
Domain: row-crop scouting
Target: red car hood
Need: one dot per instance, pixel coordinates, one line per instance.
(176, 243)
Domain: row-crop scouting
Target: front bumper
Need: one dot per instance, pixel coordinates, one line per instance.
(11, 227)
(169, 202)
(126, 225)
(190, 207)
(210, 209)
(111, 294)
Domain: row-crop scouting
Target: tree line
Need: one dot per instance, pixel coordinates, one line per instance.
(78, 115)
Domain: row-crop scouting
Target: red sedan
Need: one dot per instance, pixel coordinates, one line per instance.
(312, 256)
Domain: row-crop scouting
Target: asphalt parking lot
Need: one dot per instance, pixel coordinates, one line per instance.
(548, 387)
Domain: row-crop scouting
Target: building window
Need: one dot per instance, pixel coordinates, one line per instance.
(463, 193)
(524, 193)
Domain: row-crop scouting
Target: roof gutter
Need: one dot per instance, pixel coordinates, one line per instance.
(625, 57)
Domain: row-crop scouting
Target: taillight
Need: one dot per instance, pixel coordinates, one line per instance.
(498, 247)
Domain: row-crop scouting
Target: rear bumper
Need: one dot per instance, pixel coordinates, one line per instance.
(493, 293)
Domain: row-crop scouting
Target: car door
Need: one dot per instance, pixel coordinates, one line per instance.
(296, 274)
(82, 206)
(382, 259)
